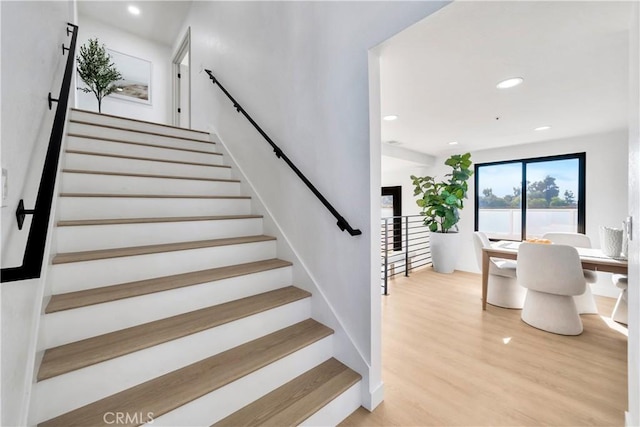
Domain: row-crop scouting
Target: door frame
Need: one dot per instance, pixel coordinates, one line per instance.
(396, 192)
(183, 49)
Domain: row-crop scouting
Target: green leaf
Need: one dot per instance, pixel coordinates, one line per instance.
(451, 200)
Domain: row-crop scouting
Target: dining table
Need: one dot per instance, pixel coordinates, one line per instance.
(591, 259)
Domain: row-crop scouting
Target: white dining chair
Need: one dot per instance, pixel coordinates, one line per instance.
(552, 275)
(502, 289)
(585, 303)
(577, 240)
(619, 313)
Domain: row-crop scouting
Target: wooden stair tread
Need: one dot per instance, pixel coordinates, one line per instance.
(145, 144)
(149, 159)
(76, 355)
(103, 294)
(172, 390)
(67, 257)
(151, 196)
(139, 121)
(146, 132)
(147, 175)
(117, 221)
(297, 400)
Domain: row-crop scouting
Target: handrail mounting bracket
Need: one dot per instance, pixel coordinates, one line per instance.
(21, 213)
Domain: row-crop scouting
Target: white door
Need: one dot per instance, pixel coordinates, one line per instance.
(184, 110)
(181, 69)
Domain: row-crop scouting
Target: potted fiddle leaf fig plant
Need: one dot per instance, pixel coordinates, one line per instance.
(96, 69)
(441, 202)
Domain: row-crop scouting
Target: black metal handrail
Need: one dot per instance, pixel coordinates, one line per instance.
(342, 223)
(34, 252)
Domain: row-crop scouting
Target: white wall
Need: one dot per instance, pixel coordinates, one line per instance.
(606, 187)
(301, 70)
(32, 66)
(400, 177)
(633, 357)
(160, 57)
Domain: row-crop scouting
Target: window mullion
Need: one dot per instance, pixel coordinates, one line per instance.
(523, 203)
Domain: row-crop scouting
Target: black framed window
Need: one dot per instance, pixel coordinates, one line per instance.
(526, 198)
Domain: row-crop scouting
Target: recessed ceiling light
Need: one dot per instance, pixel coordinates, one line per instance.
(511, 82)
(543, 128)
(133, 10)
(390, 117)
(453, 143)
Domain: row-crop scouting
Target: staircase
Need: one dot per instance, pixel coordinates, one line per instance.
(169, 303)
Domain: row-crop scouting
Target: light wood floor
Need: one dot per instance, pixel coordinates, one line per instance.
(446, 362)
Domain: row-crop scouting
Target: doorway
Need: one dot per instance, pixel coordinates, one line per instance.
(392, 207)
(181, 71)
(377, 112)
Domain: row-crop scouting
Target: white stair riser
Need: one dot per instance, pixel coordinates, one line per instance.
(64, 393)
(72, 208)
(94, 237)
(67, 326)
(111, 147)
(221, 403)
(124, 135)
(116, 184)
(334, 412)
(77, 276)
(116, 164)
(136, 125)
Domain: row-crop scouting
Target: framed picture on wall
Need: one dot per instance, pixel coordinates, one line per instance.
(136, 77)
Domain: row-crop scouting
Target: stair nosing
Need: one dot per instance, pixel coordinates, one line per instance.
(101, 254)
(138, 338)
(184, 138)
(347, 377)
(144, 144)
(151, 196)
(147, 175)
(121, 221)
(105, 294)
(146, 159)
(274, 346)
(139, 121)
(299, 391)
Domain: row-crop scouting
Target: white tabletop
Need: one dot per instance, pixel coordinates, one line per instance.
(585, 253)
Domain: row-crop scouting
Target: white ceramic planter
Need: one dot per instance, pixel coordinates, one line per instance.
(444, 251)
(611, 241)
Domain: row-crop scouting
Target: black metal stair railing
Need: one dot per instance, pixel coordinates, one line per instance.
(404, 246)
(342, 223)
(34, 252)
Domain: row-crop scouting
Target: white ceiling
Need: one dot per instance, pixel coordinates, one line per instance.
(440, 75)
(159, 21)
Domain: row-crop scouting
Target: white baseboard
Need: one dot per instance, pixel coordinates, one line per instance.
(371, 399)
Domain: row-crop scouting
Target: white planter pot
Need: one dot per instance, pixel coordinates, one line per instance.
(444, 251)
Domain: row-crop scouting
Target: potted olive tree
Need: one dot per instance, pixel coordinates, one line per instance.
(441, 202)
(97, 71)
